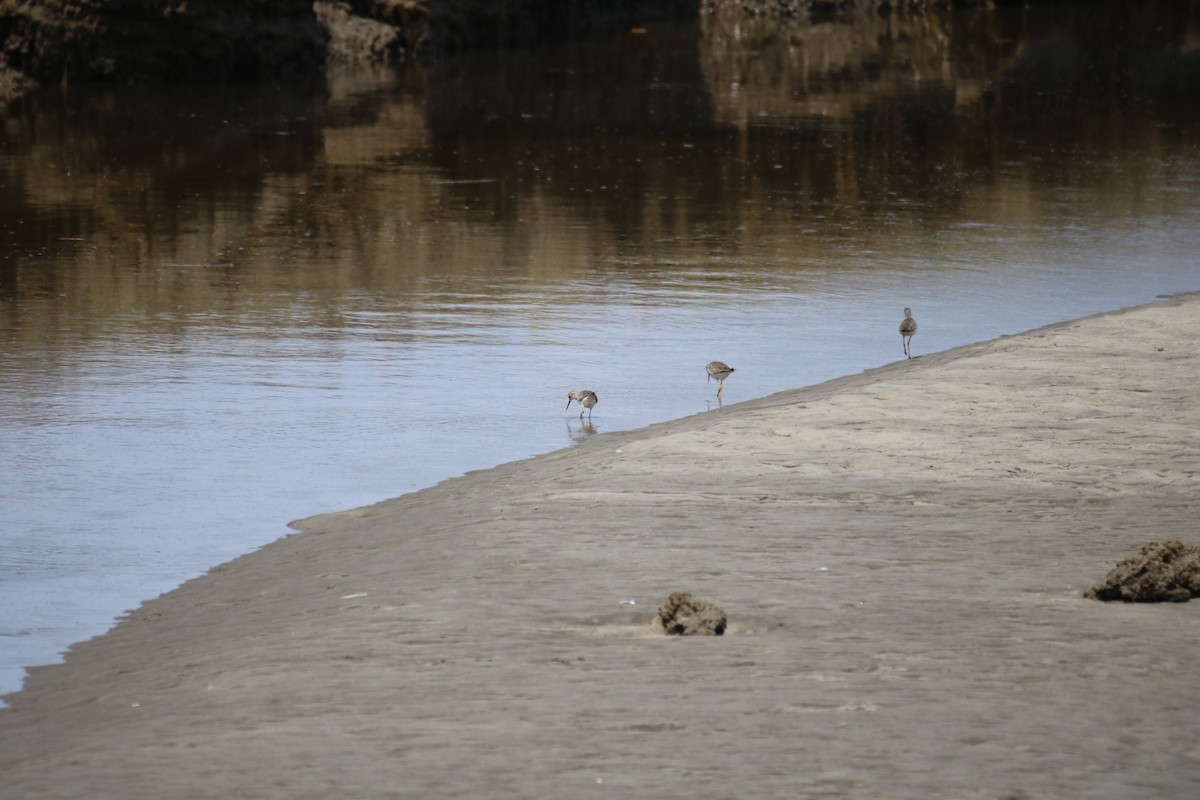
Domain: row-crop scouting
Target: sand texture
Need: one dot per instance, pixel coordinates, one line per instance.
(901, 556)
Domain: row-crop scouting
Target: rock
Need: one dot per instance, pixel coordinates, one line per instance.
(13, 85)
(1158, 572)
(684, 615)
(355, 38)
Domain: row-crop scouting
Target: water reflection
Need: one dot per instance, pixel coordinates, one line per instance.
(579, 430)
(226, 309)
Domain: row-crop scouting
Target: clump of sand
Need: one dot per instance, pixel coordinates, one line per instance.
(683, 615)
(1157, 572)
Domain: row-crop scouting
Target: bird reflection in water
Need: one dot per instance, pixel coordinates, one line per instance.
(580, 430)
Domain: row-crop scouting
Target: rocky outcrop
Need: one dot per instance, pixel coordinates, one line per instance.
(438, 26)
(159, 41)
(171, 41)
(804, 9)
(1157, 572)
(355, 37)
(175, 41)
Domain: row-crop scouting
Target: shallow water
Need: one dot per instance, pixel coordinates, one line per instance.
(225, 309)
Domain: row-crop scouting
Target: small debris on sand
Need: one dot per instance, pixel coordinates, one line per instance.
(1157, 572)
(684, 615)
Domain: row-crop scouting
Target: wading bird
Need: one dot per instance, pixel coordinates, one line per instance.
(586, 397)
(907, 328)
(719, 370)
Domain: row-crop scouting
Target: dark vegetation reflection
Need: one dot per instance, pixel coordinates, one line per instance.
(664, 137)
(931, 106)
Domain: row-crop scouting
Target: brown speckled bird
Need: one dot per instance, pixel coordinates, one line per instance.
(719, 370)
(907, 328)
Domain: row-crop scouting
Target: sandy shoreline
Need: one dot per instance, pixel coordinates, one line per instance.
(901, 554)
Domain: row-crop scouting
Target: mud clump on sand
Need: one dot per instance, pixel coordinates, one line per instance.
(1157, 572)
(683, 615)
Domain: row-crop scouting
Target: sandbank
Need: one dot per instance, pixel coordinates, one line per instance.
(901, 555)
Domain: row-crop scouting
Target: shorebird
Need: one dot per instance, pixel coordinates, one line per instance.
(719, 370)
(907, 328)
(586, 397)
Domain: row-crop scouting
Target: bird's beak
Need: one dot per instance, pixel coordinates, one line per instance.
(568, 402)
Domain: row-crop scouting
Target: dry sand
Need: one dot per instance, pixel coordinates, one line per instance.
(901, 555)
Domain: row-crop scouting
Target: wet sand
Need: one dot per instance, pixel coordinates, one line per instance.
(901, 555)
